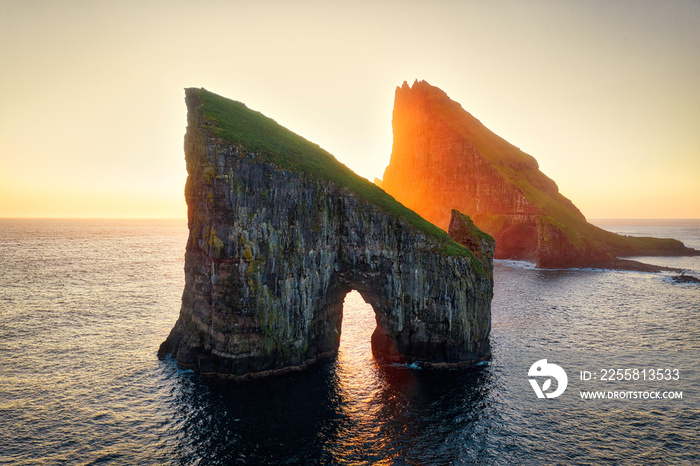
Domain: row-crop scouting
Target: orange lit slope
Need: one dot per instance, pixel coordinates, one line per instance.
(443, 158)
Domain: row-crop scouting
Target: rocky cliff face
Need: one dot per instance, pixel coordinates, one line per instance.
(463, 230)
(280, 232)
(443, 158)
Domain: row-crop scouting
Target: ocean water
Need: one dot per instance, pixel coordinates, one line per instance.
(84, 305)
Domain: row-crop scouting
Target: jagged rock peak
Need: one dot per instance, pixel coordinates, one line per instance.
(418, 84)
(280, 231)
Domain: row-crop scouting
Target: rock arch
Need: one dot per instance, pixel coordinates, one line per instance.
(275, 246)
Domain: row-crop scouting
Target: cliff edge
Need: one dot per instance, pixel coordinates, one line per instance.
(443, 158)
(280, 231)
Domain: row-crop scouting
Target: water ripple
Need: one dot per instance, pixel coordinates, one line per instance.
(85, 304)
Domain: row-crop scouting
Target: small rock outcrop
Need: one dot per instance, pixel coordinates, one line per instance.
(280, 231)
(443, 158)
(683, 278)
(463, 230)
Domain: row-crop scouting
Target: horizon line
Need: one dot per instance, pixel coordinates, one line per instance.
(185, 218)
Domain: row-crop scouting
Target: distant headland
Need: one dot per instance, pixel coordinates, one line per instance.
(443, 158)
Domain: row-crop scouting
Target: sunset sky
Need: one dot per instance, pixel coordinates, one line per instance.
(604, 94)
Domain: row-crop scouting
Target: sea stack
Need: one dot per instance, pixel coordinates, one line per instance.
(280, 231)
(443, 159)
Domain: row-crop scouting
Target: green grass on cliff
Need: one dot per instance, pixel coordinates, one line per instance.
(522, 171)
(236, 123)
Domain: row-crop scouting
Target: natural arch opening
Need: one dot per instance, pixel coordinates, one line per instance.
(358, 324)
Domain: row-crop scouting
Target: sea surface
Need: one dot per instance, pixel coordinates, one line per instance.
(84, 305)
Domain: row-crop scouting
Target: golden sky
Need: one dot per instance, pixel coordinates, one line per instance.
(604, 94)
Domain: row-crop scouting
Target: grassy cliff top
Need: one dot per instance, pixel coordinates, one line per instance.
(236, 123)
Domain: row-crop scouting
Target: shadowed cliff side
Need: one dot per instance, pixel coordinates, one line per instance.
(280, 231)
(443, 158)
